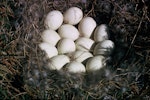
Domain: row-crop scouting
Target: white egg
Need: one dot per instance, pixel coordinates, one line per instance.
(95, 63)
(104, 48)
(53, 20)
(84, 44)
(87, 26)
(75, 67)
(50, 36)
(57, 62)
(73, 15)
(68, 31)
(49, 49)
(81, 56)
(66, 46)
(100, 33)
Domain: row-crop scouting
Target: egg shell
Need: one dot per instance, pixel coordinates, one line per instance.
(84, 44)
(73, 15)
(75, 67)
(87, 26)
(57, 62)
(104, 48)
(66, 46)
(68, 31)
(95, 63)
(100, 33)
(81, 56)
(50, 36)
(49, 49)
(53, 20)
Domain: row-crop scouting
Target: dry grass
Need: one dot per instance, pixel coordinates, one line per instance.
(23, 66)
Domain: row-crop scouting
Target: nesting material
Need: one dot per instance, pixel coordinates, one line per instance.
(21, 62)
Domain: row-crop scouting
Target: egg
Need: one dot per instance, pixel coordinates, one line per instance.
(100, 33)
(95, 63)
(49, 49)
(104, 48)
(53, 20)
(75, 67)
(87, 26)
(57, 62)
(84, 44)
(81, 56)
(66, 46)
(50, 36)
(68, 31)
(73, 15)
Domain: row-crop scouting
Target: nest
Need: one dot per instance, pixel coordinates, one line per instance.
(23, 66)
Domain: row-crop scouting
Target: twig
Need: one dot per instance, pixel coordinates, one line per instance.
(92, 9)
(23, 93)
(132, 42)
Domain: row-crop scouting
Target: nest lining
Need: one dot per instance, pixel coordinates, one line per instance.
(127, 72)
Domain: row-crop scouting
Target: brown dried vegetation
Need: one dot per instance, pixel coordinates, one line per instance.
(23, 66)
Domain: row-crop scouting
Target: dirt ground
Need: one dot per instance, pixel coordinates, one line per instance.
(23, 66)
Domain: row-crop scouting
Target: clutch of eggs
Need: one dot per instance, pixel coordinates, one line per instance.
(67, 41)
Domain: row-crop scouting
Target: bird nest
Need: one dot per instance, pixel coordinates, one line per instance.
(23, 65)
